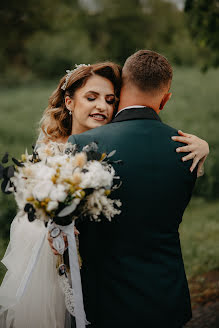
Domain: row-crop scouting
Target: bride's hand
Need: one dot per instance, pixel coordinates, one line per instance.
(50, 240)
(197, 148)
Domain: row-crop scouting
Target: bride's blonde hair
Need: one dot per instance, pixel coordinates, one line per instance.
(56, 122)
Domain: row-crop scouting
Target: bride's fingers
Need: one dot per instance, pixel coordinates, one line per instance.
(185, 149)
(186, 140)
(188, 157)
(184, 134)
(195, 162)
(200, 170)
(76, 231)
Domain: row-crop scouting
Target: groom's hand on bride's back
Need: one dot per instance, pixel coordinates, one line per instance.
(50, 240)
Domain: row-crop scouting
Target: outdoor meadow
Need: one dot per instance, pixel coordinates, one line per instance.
(34, 57)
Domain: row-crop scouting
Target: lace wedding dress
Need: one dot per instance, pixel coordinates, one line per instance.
(41, 304)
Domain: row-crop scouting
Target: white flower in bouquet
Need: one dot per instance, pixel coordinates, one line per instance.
(52, 205)
(42, 190)
(98, 203)
(58, 193)
(97, 176)
(43, 172)
(54, 180)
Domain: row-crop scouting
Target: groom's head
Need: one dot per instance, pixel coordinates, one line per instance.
(148, 75)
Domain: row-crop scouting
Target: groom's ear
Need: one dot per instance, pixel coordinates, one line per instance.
(165, 99)
(69, 103)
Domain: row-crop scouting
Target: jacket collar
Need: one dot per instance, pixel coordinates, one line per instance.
(146, 113)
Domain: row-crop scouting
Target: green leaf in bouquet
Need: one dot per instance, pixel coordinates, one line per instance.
(111, 153)
(10, 172)
(68, 210)
(18, 163)
(6, 184)
(1, 171)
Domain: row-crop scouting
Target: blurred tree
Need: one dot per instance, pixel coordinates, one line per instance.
(117, 29)
(18, 22)
(203, 21)
(49, 36)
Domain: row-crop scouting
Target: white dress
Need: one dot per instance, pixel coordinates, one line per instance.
(42, 303)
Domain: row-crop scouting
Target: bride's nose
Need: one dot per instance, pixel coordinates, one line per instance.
(101, 105)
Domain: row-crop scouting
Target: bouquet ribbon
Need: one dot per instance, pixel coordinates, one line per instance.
(59, 244)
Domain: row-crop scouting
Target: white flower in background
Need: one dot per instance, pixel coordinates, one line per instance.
(42, 190)
(97, 176)
(58, 193)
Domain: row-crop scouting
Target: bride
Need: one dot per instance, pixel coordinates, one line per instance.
(86, 97)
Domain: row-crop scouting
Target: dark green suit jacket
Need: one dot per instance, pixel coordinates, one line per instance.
(133, 273)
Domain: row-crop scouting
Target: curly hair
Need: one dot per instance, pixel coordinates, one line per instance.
(56, 122)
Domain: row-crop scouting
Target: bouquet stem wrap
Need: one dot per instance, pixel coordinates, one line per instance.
(58, 243)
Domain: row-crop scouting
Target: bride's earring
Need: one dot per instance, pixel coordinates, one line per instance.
(70, 113)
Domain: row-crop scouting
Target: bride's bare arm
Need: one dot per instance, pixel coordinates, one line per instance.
(197, 148)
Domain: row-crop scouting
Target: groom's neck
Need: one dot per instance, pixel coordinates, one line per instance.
(133, 97)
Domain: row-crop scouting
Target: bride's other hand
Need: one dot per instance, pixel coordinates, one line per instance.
(50, 240)
(197, 148)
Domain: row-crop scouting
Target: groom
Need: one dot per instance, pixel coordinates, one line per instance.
(133, 274)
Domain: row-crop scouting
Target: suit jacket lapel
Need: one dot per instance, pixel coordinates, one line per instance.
(146, 113)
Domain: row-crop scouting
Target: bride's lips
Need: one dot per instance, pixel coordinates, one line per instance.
(98, 117)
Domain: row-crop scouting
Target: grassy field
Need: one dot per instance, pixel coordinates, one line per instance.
(193, 108)
(199, 236)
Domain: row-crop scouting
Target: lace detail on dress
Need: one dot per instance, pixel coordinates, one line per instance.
(68, 292)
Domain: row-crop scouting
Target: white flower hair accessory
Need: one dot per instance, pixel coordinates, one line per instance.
(69, 73)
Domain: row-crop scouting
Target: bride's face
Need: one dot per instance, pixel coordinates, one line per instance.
(92, 105)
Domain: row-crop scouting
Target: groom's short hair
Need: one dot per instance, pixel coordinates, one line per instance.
(147, 70)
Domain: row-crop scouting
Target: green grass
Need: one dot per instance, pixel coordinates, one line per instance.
(21, 109)
(199, 233)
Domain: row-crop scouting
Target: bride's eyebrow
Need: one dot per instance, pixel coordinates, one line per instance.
(94, 92)
(97, 94)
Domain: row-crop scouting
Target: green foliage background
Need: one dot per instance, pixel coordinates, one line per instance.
(41, 39)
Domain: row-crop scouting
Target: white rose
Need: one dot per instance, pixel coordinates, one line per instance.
(52, 205)
(42, 190)
(58, 193)
(97, 176)
(45, 172)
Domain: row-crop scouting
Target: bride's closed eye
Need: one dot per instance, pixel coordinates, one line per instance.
(91, 98)
(110, 100)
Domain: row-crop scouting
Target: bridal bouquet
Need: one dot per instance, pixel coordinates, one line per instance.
(58, 184)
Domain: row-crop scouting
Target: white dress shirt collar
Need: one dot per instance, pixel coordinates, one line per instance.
(128, 107)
